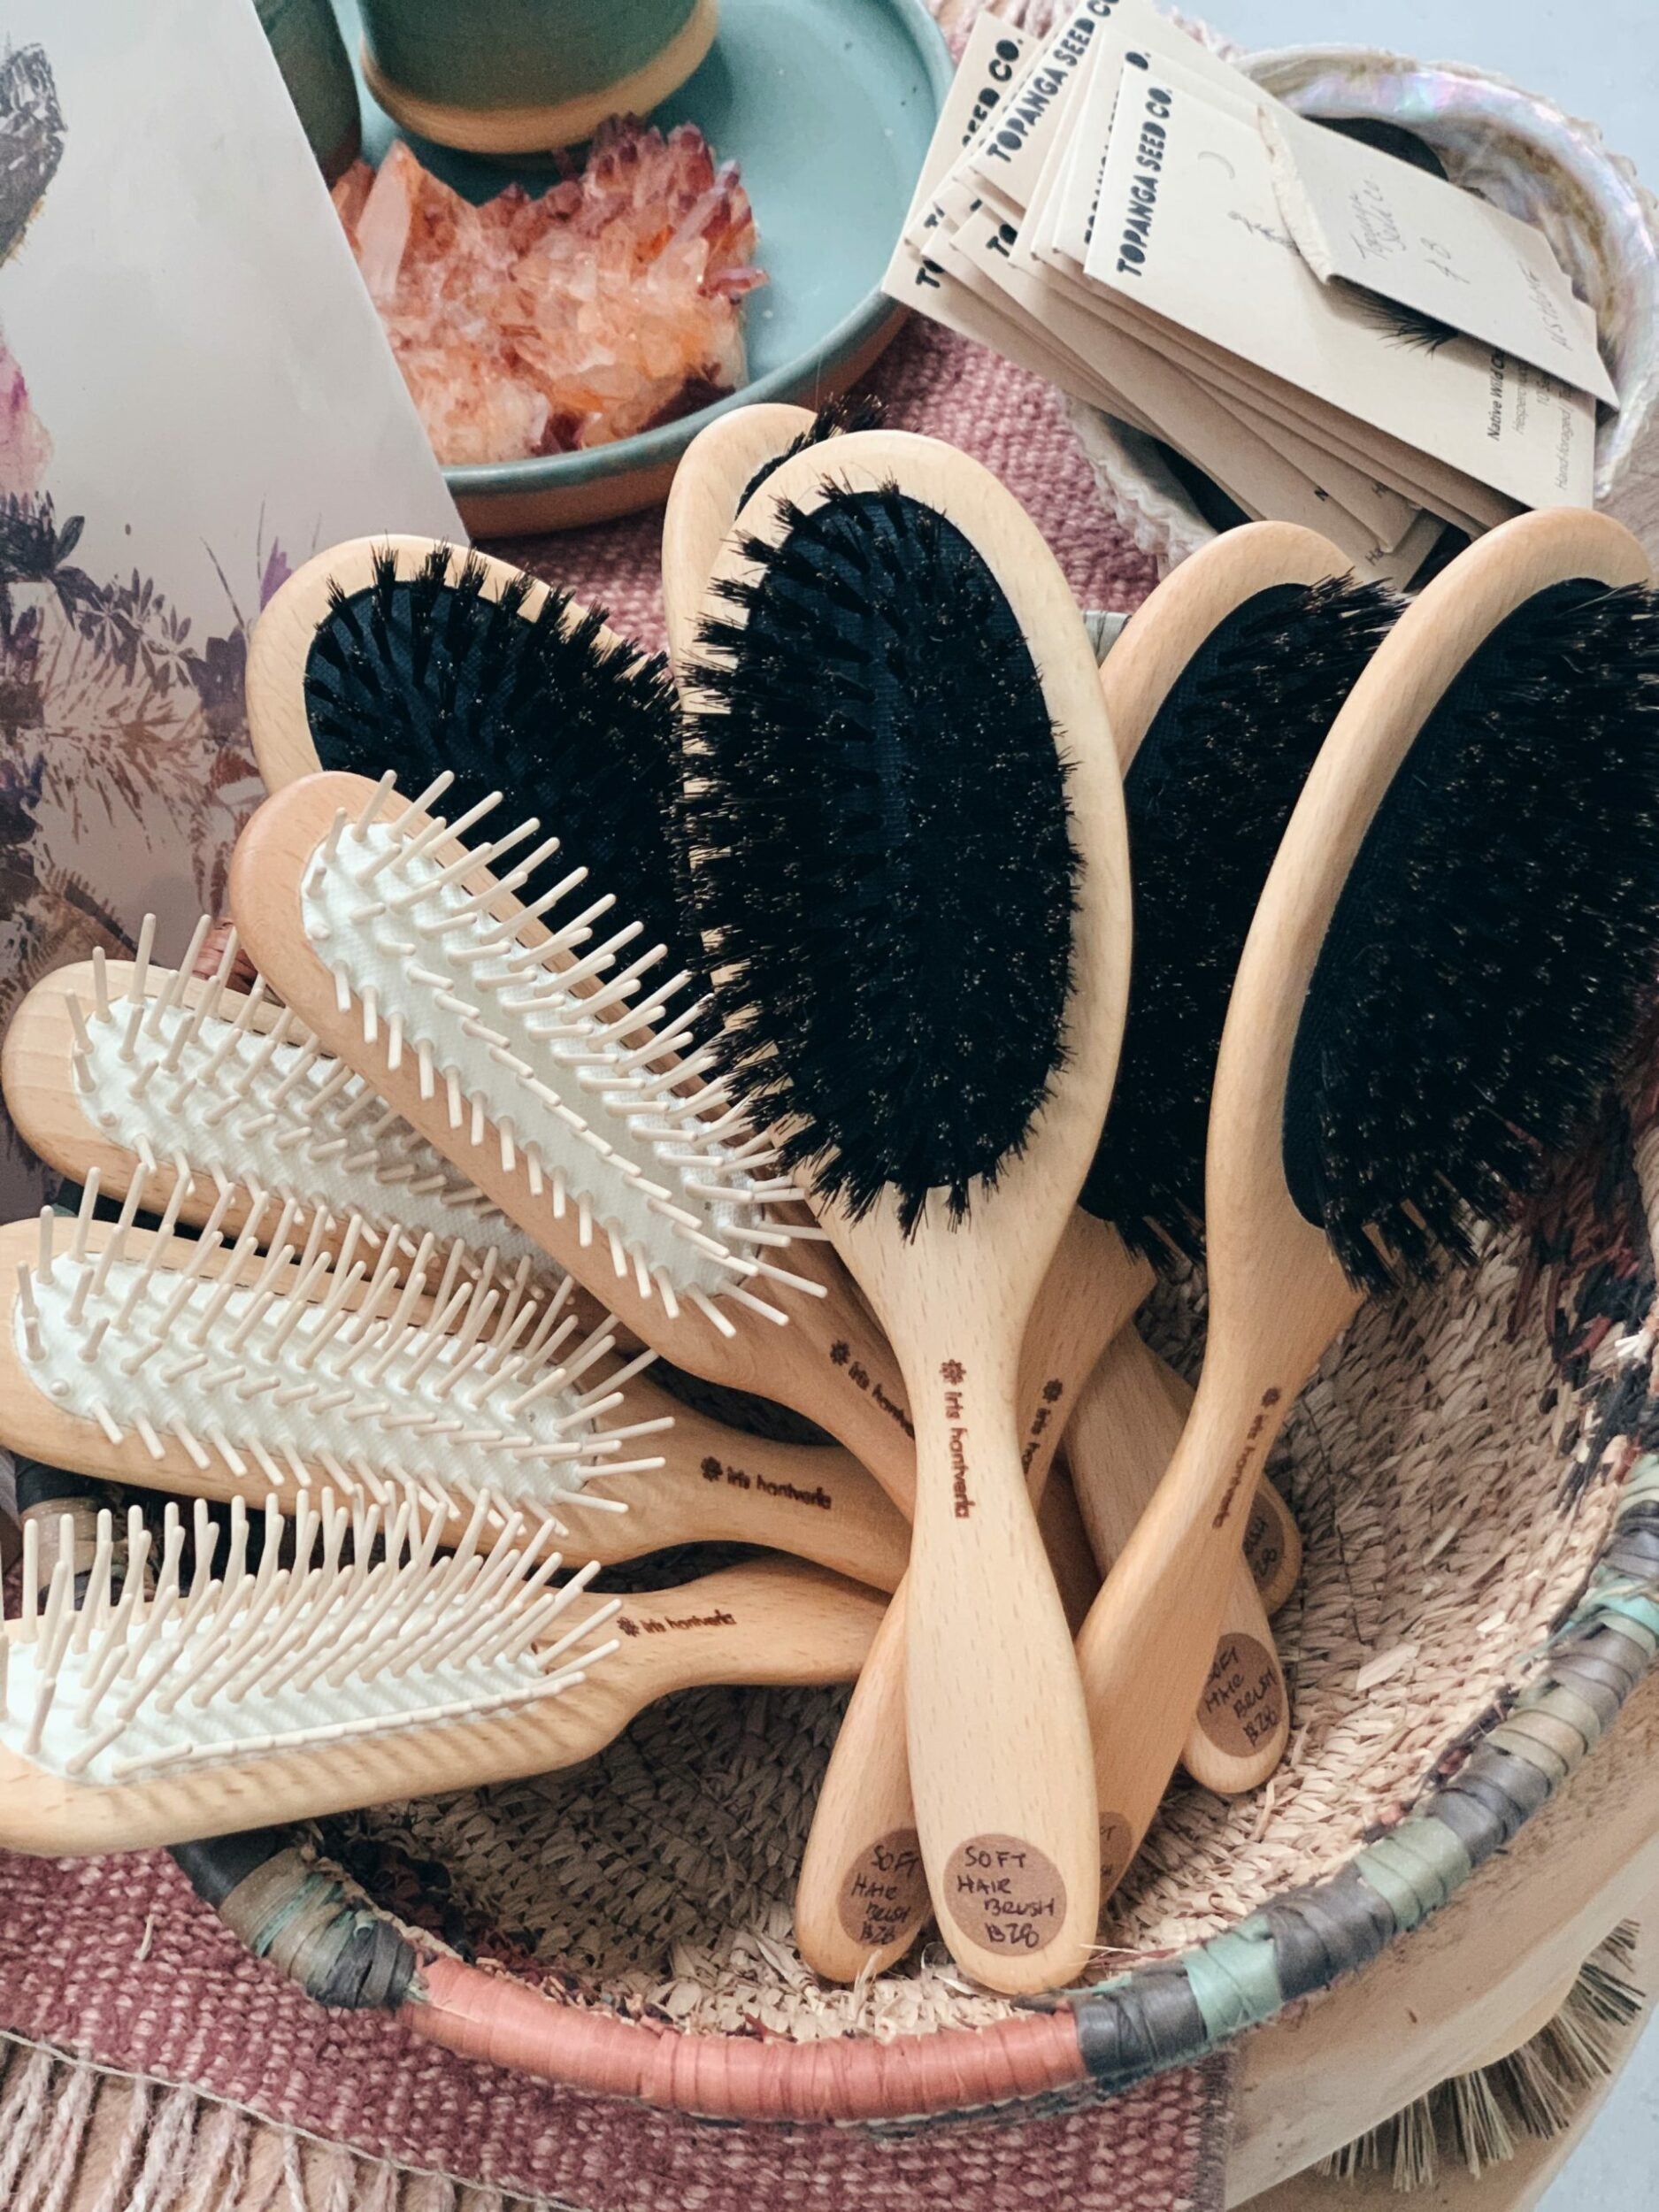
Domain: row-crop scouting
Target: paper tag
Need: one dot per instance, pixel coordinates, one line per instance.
(990, 64)
(1189, 233)
(1137, 29)
(1370, 219)
(1010, 157)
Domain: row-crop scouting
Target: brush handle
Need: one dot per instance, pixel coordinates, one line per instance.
(1273, 1540)
(995, 1724)
(1126, 1429)
(1151, 1638)
(861, 1899)
(718, 1485)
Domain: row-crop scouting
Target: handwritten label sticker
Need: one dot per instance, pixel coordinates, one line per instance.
(884, 1896)
(1243, 1704)
(1266, 1545)
(1004, 1893)
(1116, 1848)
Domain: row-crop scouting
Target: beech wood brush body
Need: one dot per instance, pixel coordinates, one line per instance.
(1445, 967)
(944, 1093)
(337, 1674)
(258, 1122)
(860, 1901)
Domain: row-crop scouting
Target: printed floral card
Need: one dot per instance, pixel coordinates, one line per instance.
(195, 397)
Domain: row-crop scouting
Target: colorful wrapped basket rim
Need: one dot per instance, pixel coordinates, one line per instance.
(322, 1932)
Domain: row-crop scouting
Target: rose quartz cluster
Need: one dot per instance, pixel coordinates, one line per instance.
(532, 325)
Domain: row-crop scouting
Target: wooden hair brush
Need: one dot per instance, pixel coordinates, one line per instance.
(352, 1666)
(943, 1101)
(1444, 969)
(107, 1066)
(853, 1910)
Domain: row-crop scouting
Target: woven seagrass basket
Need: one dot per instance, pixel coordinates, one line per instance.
(1480, 1595)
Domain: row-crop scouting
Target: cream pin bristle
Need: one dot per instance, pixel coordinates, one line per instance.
(247, 1664)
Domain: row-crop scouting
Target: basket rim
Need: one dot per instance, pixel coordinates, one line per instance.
(1089, 2044)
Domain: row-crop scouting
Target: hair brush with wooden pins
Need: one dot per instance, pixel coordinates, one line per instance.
(943, 1096)
(352, 1666)
(573, 1094)
(106, 1066)
(1445, 967)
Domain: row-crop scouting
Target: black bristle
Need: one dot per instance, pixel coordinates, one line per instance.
(426, 671)
(876, 818)
(1410, 327)
(834, 419)
(1482, 974)
(1207, 794)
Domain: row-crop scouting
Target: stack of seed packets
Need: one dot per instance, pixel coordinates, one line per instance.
(1330, 334)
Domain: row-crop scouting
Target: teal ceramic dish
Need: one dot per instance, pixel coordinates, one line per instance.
(828, 107)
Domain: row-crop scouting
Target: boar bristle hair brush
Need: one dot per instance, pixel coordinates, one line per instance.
(1445, 970)
(1243, 667)
(147, 1700)
(412, 654)
(921, 980)
(892, 1089)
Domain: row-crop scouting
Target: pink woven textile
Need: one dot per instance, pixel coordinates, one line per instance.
(116, 1959)
(930, 380)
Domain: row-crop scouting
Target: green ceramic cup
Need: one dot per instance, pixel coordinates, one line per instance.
(521, 76)
(312, 55)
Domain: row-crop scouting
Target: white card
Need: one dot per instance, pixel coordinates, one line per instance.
(1366, 217)
(991, 64)
(1009, 156)
(1189, 233)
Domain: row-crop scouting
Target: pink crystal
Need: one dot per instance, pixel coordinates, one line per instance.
(533, 325)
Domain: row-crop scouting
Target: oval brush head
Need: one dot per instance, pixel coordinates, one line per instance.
(420, 656)
(1208, 793)
(722, 466)
(932, 879)
(1480, 976)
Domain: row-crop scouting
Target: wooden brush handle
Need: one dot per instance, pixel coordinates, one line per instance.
(1273, 1540)
(1126, 1431)
(1149, 1641)
(862, 1897)
(811, 1501)
(995, 1724)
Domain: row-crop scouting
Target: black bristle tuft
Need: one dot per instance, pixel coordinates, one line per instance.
(427, 671)
(1482, 975)
(834, 419)
(1207, 795)
(876, 820)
